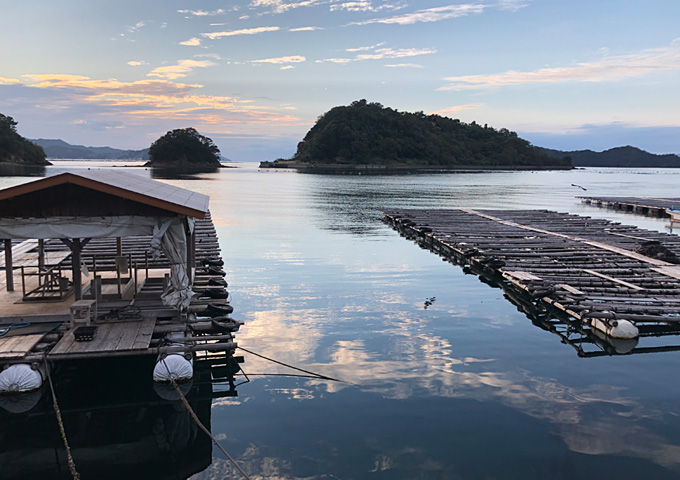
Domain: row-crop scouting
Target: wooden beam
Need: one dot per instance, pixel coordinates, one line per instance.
(9, 273)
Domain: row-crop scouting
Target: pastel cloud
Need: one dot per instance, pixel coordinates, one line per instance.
(9, 81)
(202, 13)
(304, 29)
(435, 14)
(282, 60)
(454, 110)
(381, 53)
(135, 63)
(181, 69)
(158, 99)
(607, 69)
(192, 42)
(280, 6)
(404, 65)
(364, 6)
(245, 31)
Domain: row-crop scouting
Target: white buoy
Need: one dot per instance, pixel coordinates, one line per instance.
(21, 377)
(173, 367)
(616, 328)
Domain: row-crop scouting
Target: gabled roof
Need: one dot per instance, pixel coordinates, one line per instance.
(125, 185)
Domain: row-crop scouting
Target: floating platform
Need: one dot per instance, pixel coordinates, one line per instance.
(651, 207)
(610, 277)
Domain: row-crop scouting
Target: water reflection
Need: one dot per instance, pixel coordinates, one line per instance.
(122, 428)
(188, 173)
(17, 170)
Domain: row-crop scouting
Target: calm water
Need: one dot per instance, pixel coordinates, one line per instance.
(468, 388)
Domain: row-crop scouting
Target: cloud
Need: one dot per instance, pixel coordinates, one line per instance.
(135, 27)
(380, 53)
(135, 63)
(607, 69)
(279, 60)
(192, 42)
(361, 49)
(280, 6)
(202, 13)
(246, 31)
(454, 110)
(287, 67)
(304, 29)
(395, 53)
(182, 69)
(9, 81)
(404, 65)
(365, 6)
(157, 99)
(430, 15)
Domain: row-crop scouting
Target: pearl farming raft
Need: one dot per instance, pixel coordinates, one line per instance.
(104, 264)
(615, 279)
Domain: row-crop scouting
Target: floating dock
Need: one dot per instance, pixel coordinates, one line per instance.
(84, 280)
(609, 277)
(651, 207)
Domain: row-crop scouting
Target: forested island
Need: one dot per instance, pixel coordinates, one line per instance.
(15, 149)
(365, 134)
(617, 157)
(184, 149)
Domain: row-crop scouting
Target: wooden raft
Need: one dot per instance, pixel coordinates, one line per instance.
(111, 339)
(653, 207)
(587, 268)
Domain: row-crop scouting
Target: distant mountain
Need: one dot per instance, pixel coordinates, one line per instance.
(61, 149)
(617, 157)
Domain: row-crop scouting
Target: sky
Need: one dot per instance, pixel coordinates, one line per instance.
(254, 75)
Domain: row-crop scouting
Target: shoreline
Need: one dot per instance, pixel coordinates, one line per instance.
(376, 169)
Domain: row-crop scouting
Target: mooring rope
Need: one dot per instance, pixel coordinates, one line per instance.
(199, 423)
(315, 375)
(55, 405)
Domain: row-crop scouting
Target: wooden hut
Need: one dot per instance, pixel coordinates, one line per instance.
(114, 253)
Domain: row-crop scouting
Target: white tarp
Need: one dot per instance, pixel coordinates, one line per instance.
(78, 227)
(170, 237)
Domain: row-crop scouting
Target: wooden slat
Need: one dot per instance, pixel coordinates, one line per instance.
(18, 346)
(612, 279)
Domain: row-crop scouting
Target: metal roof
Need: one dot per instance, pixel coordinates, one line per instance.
(125, 185)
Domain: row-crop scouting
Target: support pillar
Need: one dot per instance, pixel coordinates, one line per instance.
(41, 254)
(77, 276)
(9, 272)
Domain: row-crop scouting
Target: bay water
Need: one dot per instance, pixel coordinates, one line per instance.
(439, 375)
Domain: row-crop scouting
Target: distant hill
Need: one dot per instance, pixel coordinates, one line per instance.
(366, 133)
(61, 149)
(617, 157)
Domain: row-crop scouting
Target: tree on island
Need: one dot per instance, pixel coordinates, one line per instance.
(184, 147)
(368, 133)
(16, 149)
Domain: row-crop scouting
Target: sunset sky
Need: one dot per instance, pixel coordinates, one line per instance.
(255, 74)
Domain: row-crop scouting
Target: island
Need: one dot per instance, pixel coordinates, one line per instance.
(59, 149)
(17, 150)
(368, 137)
(184, 150)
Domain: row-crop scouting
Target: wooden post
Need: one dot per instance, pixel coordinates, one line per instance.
(9, 273)
(119, 246)
(98, 289)
(77, 278)
(41, 254)
(191, 246)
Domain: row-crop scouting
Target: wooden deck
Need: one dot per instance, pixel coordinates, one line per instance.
(125, 326)
(111, 339)
(649, 206)
(586, 268)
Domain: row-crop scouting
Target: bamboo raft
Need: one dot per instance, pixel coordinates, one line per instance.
(587, 269)
(652, 207)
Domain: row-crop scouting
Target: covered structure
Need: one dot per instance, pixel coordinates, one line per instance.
(76, 207)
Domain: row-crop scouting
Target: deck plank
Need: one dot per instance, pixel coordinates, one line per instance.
(18, 346)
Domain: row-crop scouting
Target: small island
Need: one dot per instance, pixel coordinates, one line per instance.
(367, 137)
(15, 149)
(184, 149)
